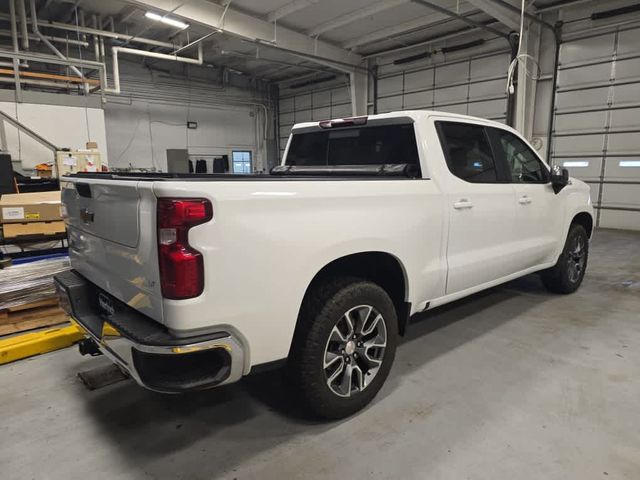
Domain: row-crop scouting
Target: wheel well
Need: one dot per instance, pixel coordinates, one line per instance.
(380, 268)
(584, 219)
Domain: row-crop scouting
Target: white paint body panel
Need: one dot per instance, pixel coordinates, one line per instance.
(270, 237)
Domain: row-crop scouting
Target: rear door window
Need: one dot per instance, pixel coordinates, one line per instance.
(468, 152)
(371, 145)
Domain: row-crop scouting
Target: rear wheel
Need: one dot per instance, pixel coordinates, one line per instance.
(567, 274)
(344, 346)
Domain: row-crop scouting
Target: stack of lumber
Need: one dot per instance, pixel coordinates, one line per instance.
(31, 316)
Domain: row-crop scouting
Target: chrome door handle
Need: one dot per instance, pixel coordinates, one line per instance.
(524, 200)
(462, 204)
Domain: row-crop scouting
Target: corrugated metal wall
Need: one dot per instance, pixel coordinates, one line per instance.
(321, 103)
(474, 85)
(597, 121)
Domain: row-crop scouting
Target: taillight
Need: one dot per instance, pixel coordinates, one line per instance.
(181, 266)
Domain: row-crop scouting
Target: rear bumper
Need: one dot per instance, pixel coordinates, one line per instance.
(151, 355)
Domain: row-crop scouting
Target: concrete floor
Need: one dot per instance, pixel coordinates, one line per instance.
(511, 383)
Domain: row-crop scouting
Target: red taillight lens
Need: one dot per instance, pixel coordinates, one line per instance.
(181, 266)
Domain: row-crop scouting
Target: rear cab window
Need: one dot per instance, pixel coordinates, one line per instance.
(362, 145)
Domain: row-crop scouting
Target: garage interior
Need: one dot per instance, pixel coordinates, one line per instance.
(513, 382)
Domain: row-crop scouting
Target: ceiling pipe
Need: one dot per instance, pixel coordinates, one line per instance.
(7, 33)
(14, 28)
(96, 43)
(16, 49)
(24, 31)
(95, 31)
(36, 31)
(115, 51)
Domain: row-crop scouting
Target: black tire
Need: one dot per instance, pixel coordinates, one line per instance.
(325, 308)
(567, 274)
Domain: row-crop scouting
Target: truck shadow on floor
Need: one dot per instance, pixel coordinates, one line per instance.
(218, 430)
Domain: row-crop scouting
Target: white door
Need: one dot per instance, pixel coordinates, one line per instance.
(538, 211)
(481, 209)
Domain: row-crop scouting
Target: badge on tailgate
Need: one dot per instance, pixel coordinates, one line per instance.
(106, 304)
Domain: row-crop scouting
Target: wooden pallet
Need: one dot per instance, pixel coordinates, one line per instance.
(22, 318)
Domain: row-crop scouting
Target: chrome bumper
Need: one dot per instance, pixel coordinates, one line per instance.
(158, 361)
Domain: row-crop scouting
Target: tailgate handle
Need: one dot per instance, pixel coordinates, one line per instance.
(83, 189)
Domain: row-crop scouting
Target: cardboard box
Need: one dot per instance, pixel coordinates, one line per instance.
(13, 230)
(30, 207)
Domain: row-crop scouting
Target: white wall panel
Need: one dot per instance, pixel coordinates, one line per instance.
(621, 219)
(593, 97)
(389, 104)
(587, 49)
(621, 195)
(579, 145)
(421, 79)
(451, 94)
(491, 109)
(579, 122)
(418, 100)
(456, 73)
(615, 170)
(390, 85)
(488, 67)
(63, 125)
(629, 68)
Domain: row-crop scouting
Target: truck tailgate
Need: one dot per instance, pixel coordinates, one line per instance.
(112, 238)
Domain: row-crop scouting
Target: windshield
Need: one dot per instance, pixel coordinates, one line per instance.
(375, 145)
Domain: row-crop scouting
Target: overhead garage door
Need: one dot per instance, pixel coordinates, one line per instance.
(470, 86)
(597, 122)
(312, 105)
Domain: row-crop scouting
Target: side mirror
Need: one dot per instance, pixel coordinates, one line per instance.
(559, 178)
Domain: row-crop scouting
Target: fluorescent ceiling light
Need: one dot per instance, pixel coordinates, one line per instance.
(629, 163)
(575, 164)
(166, 20)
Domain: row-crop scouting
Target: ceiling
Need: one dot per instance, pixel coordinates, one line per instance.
(362, 27)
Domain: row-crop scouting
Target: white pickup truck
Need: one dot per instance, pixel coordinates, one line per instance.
(193, 281)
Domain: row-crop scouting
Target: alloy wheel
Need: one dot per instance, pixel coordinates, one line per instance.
(355, 350)
(577, 258)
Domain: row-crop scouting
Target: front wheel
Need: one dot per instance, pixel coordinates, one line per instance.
(344, 346)
(567, 274)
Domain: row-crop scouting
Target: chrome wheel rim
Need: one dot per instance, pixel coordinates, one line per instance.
(354, 351)
(577, 258)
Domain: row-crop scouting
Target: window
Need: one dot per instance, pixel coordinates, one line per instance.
(241, 160)
(468, 152)
(524, 165)
(372, 145)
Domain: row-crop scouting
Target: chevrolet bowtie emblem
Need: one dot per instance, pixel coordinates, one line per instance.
(86, 215)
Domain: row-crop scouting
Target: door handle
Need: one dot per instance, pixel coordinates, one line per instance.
(462, 204)
(524, 200)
